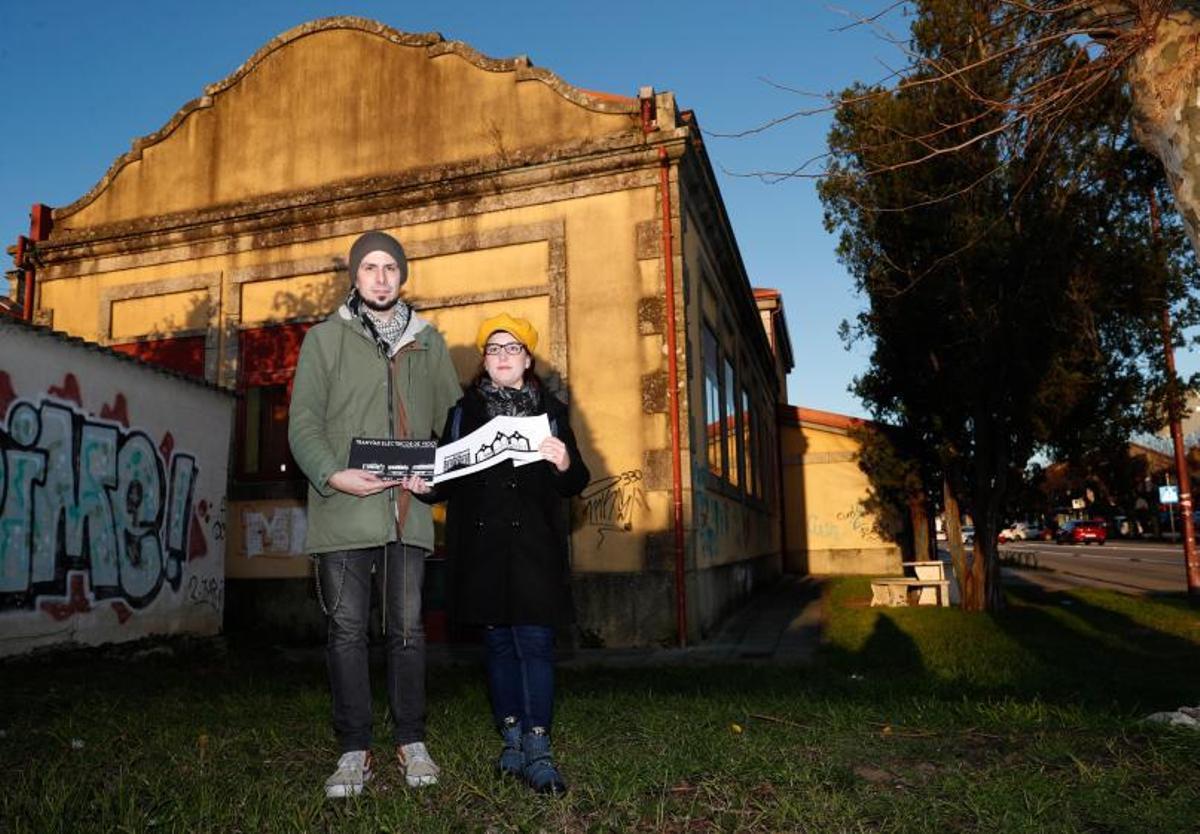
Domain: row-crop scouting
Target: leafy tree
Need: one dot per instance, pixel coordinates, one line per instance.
(1013, 291)
(896, 498)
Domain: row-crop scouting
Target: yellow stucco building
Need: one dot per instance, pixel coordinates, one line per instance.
(827, 529)
(216, 241)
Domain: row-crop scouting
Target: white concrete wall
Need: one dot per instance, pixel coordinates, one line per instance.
(112, 494)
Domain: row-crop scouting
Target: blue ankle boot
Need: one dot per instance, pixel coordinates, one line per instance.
(540, 772)
(512, 760)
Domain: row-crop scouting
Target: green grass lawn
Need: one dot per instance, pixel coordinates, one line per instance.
(911, 720)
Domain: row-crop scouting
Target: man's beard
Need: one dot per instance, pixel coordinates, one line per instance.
(380, 306)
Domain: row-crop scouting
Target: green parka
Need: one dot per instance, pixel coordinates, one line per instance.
(340, 392)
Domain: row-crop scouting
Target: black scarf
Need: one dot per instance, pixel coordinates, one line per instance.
(509, 402)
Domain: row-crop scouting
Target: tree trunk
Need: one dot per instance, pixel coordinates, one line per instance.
(918, 514)
(992, 460)
(985, 567)
(1162, 77)
(954, 541)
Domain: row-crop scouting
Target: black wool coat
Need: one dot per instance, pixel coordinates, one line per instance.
(507, 530)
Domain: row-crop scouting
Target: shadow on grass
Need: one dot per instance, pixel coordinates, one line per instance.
(1066, 648)
(1088, 650)
(1069, 649)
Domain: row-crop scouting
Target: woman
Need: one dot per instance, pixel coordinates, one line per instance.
(506, 535)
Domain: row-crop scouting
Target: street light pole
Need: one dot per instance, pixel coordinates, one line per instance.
(1190, 558)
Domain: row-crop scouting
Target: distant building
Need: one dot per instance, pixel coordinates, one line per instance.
(827, 529)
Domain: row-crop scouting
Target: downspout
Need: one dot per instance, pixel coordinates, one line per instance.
(673, 399)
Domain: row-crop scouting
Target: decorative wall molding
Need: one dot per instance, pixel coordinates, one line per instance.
(208, 281)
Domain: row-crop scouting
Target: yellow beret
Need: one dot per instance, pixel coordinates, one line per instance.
(520, 329)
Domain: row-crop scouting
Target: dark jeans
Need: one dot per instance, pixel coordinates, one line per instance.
(520, 668)
(344, 589)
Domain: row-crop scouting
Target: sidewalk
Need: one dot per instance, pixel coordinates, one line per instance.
(780, 625)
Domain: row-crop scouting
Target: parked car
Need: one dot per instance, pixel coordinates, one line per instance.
(1012, 533)
(1020, 531)
(1082, 532)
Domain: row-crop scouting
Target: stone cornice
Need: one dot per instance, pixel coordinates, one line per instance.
(434, 44)
(491, 178)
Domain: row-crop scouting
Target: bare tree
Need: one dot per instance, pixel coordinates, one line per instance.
(1151, 45)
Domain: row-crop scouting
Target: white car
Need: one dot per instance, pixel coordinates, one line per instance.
(1016, 532)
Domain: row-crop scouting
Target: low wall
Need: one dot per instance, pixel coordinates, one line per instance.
(112, 495)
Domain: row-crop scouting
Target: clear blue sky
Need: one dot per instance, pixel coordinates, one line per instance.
(82, 80)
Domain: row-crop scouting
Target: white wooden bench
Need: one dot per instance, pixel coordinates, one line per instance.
(929, 581)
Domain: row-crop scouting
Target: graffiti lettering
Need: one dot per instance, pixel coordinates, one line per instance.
(210, 591)
(857, 519)
(844, 526)
(609, 504)
(89, 498)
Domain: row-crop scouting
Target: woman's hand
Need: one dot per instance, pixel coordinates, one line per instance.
(358, 482)
(555, 451)
(416, 484)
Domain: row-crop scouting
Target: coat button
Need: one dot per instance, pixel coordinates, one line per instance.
(512, 484)
(516, 524)
(479, 525)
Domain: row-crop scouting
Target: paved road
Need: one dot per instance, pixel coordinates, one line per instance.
(1133, 567)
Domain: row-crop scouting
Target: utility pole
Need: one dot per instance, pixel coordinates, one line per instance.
(1170, 512)
(1190, 558)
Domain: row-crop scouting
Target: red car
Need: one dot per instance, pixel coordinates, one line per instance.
(1082, 532)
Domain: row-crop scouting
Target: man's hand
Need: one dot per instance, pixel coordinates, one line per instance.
(555, 451)
(358, 482)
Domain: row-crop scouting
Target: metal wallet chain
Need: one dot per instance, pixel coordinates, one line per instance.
(328, 612)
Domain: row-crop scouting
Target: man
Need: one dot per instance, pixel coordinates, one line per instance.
(373, 369)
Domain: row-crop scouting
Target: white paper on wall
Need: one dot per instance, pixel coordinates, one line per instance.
(279, 534)
(499, 439)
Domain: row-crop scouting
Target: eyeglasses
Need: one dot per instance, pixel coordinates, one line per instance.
(495, 349)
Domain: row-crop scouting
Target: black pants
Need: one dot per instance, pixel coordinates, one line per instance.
(344, 589)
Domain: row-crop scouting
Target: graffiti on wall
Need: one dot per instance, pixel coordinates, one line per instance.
(610, 504)
(713, 523)
(91, 510)
(849, 525)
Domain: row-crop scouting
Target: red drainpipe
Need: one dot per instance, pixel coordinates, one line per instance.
(673, 399)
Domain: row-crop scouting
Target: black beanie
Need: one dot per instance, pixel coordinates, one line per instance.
(377, 242)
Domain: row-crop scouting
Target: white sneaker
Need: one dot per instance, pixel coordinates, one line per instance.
(419, 767)
(352, 774)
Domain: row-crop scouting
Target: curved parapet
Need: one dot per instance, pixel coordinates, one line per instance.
(337, 99)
